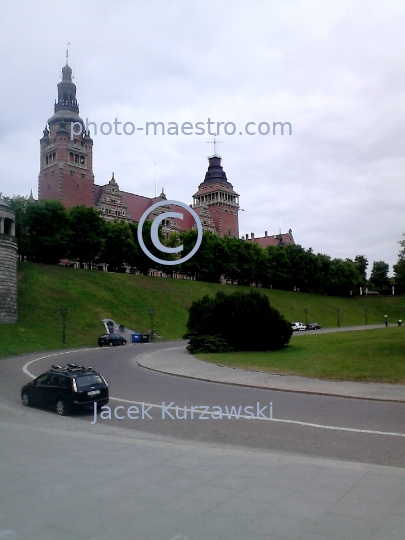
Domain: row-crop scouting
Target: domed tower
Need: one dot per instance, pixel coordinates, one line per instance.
(8, 265)
(66, 166)
(218, 195)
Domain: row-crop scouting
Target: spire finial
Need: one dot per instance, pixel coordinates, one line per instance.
(215, 142)
(67, 53)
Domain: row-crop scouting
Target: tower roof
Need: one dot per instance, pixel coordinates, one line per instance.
(215, 172)
(66, 73)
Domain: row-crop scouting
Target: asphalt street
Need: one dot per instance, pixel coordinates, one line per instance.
(131, 385)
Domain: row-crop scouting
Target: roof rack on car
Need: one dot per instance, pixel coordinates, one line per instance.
(72, 367)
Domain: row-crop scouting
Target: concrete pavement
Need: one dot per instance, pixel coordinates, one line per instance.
(62, 481)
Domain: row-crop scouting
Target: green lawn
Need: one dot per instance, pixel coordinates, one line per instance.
(372, 355)
(93, 295)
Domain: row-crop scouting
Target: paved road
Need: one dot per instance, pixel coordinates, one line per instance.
(130, 384)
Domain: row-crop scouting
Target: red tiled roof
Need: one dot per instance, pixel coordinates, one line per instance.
(273, 240)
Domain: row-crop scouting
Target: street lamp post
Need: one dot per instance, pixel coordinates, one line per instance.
(386, 320)
(64, 312)
(306, 316)
(151, 313)
(338, 310)
(365, 313)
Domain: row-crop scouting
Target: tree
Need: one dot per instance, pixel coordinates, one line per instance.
(399, 268)
(140, 260)
(208, 263)
(379, 275)
(245, 321)
(87, 234)
(361, 264)
(399, 272)
(48, 232)
(119, 245)
(20, 204)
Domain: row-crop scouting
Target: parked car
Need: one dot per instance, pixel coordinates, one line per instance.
(111, 339)
(298, 326)
(314, 326)
(66, 388)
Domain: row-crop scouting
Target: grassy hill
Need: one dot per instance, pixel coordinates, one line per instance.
(92, 296)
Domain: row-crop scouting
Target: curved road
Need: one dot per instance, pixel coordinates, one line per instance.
(131, 384)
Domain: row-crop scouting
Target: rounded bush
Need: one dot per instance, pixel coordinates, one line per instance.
(246, 321)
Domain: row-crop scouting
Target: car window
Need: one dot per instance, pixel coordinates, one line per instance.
(43, 379)
(88, 380)
(54, 380)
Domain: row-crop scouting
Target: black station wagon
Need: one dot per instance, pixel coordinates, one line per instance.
(66, 388)
(111, 339)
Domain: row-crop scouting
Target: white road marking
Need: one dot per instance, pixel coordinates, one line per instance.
(278, 420)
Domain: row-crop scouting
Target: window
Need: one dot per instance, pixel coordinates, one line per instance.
(82, 175)
(44, 379)
(88, 380)
(72, 173)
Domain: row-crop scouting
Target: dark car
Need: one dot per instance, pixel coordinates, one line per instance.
(111, 339)
(314, 326)
(66, 388)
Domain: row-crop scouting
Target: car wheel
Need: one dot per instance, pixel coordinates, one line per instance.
(124, 342)
(110, 343)
(26, 400)
(61, 408)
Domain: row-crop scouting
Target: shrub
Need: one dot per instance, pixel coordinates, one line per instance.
(246, 321)
(208, 344)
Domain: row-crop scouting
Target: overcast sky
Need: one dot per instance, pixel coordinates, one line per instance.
(333, 69)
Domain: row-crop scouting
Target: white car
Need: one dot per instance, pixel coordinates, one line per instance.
(298, 326)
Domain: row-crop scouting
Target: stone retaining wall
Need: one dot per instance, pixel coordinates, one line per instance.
(8, 279)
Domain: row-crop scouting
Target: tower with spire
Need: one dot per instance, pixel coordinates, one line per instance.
(217, 195)
(66, 160)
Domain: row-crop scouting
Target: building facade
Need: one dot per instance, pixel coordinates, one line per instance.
(66, 174)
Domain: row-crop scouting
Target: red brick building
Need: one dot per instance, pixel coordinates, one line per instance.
(66, 174)
(66, 165)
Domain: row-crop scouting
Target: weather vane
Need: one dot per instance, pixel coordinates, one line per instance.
(67, 53)
(215, 142)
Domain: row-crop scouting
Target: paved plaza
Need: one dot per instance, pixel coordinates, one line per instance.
(61, 479)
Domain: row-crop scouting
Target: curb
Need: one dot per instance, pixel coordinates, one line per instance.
(245, 385)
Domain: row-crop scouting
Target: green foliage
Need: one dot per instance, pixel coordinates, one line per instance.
(361, 264)
(48, 232)
(87, 236)
(207, 263)
(208, 344)
(379, 275)
(399, 272)
(93, 295)
(399, 268)
(119, 246)
(20, 204)
(244, 321)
